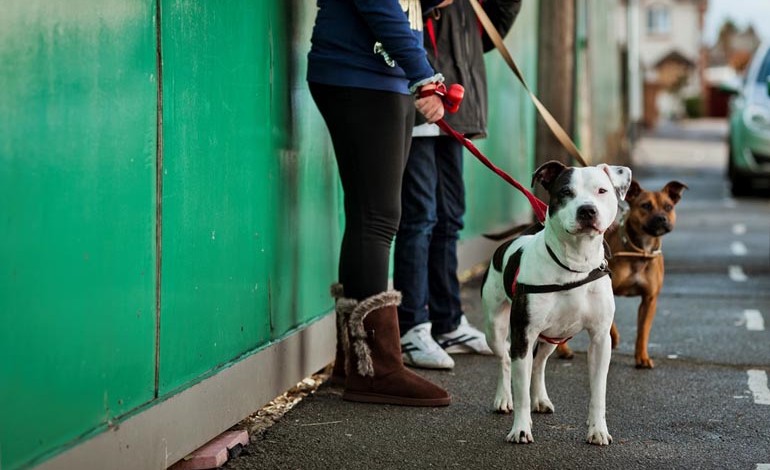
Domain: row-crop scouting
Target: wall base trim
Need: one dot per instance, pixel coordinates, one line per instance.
(171, 429)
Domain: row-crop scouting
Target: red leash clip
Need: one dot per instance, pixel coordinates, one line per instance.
(452, 97)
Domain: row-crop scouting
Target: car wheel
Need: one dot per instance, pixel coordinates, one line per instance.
(740, 186)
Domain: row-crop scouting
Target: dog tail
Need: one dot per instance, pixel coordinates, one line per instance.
(513, 232)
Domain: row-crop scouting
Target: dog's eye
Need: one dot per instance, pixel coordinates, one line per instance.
(647, 206)
(566, 192)
(668, 207)
(602, 190)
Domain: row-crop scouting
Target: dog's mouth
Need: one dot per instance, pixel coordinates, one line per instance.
(586, 228)
(657, 229)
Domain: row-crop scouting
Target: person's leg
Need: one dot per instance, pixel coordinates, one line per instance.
(450, 327)
(367, 130)
(370, 133)
(410, 275)
(418, 216)
(445, 307)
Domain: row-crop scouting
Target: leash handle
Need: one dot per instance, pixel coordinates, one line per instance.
(558, 131)
(451, 97)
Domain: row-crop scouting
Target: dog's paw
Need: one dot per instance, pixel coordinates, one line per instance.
(644, 363)
(520, 434)
(542, 405)
(503, 396)
(598, 434)
(503, 402)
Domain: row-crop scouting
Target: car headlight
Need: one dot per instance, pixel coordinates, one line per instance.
(757, 117)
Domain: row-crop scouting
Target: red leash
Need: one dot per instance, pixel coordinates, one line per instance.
(452, 98)
(538, 206)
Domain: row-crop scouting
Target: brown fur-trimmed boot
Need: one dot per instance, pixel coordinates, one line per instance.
(376, 372)
(343, 307)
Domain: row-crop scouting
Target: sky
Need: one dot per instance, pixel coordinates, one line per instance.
(742, 12)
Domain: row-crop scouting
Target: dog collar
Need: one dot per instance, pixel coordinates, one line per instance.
(636, 251)
(564, 266)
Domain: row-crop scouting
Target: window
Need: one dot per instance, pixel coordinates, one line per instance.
(658, 20)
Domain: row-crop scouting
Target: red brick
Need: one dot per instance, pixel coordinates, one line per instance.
(214, 453)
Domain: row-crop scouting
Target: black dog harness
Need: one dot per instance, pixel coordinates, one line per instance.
(515, 288)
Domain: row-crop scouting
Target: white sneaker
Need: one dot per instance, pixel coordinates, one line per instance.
(419, 349)
(464, 340)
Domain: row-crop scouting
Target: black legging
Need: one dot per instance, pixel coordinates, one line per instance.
(371, 132)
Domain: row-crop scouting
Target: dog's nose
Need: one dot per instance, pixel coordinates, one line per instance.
(586, 212)
(659, 221)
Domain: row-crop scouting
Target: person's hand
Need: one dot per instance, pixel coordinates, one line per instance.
(431, 106)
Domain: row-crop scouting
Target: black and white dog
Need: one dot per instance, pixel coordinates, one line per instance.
(556, 283)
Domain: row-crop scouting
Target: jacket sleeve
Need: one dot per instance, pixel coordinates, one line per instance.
(502, 13)
(386, 20)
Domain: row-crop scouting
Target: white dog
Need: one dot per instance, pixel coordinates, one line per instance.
(557, 286)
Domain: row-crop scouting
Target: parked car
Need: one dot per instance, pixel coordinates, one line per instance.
(749, 127)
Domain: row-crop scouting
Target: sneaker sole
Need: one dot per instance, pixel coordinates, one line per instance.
(422, 366)
(465, 350)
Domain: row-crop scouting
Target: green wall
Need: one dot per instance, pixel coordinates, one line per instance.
(219, 114)
(77, 217)
(491, 202)
(132, 267)
(599, 119)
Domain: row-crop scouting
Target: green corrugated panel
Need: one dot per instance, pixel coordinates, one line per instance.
(77, 213)
(250, 200)
(220, 174)
(309, 211)
(599, 106)
(491, 202)
(606, 74)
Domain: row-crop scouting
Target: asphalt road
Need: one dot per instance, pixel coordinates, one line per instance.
(705, 405)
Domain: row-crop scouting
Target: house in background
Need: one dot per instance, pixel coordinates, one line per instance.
(670, 59)
(727, 61)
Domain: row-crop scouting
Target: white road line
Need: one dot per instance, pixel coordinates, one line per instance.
(739, 229)
(738, 249)
(758, 386)
(763, 466)
(754, 320)
(736, 273)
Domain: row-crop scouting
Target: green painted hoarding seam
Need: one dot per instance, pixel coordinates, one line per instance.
(158, 193)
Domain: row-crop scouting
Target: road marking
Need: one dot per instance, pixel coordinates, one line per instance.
(736, 273)
(763, 466)
(758, 386)
(739, 229)
(754, 320)
(738, 249)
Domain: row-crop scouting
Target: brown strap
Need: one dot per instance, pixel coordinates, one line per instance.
(636, 254)
(557, 130)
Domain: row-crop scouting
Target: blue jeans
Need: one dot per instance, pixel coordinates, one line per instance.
(432, 209)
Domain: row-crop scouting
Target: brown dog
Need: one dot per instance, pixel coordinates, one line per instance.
(637, 259)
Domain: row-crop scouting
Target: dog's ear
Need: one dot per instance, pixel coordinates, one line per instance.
(620, 177)
(634, 190)
(547, 173)
(674, 190)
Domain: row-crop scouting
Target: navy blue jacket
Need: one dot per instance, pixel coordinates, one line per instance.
(369, 44)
